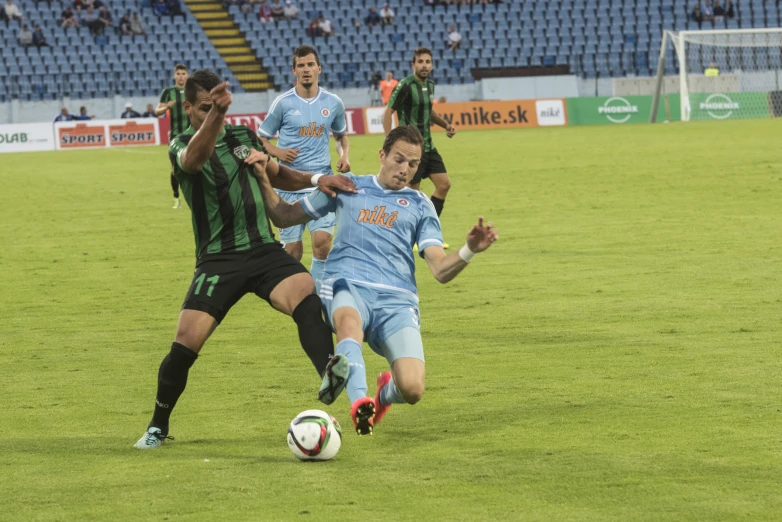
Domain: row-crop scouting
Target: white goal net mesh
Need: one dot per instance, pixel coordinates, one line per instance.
(729, 74)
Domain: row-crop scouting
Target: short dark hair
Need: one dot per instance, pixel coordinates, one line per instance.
(302, 51)
(201, 80)
(180, 67)
(407, 133)
(421, 50)
(83, 109)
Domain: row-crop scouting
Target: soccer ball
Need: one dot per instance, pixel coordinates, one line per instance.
(314, 435)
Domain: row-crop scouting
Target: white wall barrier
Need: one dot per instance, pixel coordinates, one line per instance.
(26, 137)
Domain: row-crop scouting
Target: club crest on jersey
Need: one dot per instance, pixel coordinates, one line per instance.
(403, 202)
(241, 152)
(313, 130)
(325, 112)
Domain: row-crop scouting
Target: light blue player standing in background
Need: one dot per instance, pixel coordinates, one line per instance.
(303, 117)
(369, 289)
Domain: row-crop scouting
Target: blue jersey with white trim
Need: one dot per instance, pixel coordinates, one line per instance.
(376, 231)
(305, 124)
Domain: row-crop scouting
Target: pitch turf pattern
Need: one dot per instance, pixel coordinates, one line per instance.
(616, 356)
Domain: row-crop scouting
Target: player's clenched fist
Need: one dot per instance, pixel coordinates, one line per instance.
(221, 97)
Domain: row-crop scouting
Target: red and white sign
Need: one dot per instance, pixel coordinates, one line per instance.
(94, 134)
(374, 120)
(80, 135)
(353, 117)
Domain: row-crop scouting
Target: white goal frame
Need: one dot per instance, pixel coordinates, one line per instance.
(679, 40)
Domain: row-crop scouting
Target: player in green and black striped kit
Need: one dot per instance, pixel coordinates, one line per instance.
(217, 166)
(412, 101)
(173, 99)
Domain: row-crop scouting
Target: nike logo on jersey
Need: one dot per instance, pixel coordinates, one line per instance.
(377, 216)
(313, 130)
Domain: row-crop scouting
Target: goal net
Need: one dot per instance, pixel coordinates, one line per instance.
(722, 74)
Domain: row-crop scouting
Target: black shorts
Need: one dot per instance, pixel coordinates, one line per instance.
(220, 280)
(431, 163)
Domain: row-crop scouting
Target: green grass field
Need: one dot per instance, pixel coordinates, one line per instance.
(615, 356)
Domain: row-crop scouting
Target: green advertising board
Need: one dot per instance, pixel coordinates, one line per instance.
(729, 105)
(616, 110)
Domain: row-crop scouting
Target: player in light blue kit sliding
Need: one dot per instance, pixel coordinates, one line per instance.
(303, 116)
(369, 289)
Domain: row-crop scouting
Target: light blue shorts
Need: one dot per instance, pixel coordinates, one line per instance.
(390, 319)
(293, 234)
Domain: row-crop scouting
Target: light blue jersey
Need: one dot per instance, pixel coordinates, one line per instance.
(376, 231)
(305, 124)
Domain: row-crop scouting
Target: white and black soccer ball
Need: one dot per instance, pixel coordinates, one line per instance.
(314, 435)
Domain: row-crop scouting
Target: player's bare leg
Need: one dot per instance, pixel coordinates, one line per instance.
(295, 296)
(405, 382)
(409, 374)
(350, 334)
(193, 330)
(321, 246)
(295, 249)
(175, 190)
(442, 184)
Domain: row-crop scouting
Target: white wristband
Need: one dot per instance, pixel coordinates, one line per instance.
(466, 254)
(315, 179)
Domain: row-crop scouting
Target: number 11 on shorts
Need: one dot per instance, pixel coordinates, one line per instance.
(200, 281)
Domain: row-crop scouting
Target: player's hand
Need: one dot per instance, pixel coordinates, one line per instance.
(256, 157)
(480, 237)
(450, 130)
(170, 104)
(288, 155)
(343, 165)
(328, 185)
(221, 98)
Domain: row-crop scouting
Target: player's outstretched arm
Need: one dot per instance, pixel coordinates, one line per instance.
(202, 145)
(291, 180)
(282, 213)
(446, 267)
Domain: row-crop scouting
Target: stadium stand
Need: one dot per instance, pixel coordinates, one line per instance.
(80, 65)
(592, 38)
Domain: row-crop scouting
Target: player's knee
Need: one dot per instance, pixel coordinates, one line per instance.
(321, 248)
(412, 391)
(189, 339)
(347, 323)
(308, 310)
(444, 185)
(296, 250)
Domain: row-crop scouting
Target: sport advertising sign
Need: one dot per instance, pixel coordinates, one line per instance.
(489, 114)
(133, 133)
(92, 134)
(26, 137)
(80, 135)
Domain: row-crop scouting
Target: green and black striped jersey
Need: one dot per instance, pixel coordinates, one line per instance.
(412, 101)
(179, 120)
(224, 198)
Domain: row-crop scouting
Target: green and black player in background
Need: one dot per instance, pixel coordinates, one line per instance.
(412, 102)
(236, 252)
(173, 98)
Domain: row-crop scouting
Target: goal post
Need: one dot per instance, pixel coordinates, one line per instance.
(723, 74)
